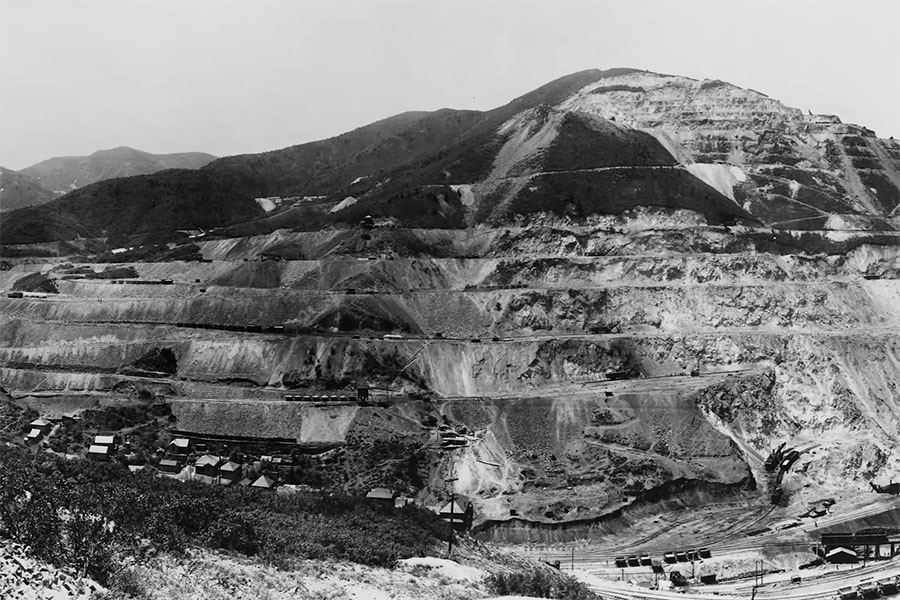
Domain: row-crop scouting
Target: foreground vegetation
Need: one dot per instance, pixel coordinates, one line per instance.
(96, 517)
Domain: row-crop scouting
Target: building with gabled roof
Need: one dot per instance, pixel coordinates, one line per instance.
(180, 446)
(841, 555)
(167, 465)
(98, 452)
(382, 497)
(208, 465)
(105, 440)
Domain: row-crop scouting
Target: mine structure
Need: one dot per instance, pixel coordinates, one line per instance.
(862, 545)
(781, 460)
(890, 488)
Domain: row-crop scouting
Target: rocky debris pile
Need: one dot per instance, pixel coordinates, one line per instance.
(25, 578)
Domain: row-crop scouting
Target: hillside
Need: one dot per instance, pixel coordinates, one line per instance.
(601, 303)
(591, 143)
(155, 211)
(18, 190)
(66, 173)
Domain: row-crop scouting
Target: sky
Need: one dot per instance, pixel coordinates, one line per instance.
(232, 77)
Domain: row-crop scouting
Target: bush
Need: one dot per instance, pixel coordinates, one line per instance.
(538, 584)
(36, 282)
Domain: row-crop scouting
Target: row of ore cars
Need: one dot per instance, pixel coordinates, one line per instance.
(644, 560)
(871, 589)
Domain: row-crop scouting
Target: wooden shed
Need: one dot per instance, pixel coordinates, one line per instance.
(382, 497)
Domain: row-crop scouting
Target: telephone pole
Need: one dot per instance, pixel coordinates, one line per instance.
(449, 483)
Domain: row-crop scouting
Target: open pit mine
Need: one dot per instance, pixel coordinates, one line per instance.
(626, 313)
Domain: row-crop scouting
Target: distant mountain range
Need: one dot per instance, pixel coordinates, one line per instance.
(54, 177)
(588, 144)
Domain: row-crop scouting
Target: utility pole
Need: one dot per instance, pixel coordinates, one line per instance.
(452, 502)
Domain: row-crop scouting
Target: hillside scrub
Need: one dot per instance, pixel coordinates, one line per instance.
(36, 282)
(95, 517)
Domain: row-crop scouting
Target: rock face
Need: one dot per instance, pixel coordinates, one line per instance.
(790, 169)
(614, 294)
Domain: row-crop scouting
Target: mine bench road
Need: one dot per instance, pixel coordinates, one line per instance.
(578, 284)
(474, 339)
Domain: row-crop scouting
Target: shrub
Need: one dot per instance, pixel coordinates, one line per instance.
(539, 584)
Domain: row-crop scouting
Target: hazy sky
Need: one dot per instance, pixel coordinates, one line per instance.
(229, 77)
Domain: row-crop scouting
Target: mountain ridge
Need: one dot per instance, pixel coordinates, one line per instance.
(64, 173)
(748, 157)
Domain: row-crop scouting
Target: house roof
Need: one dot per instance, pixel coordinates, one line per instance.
(244, 482)
(457, 509)
(35, 433)
(98, 449)
(208, 459)
(840, 550)
(180, 442)
(106, 440)
(381, 493)
(229, 466)
(168, 462)
(136, 468)
(40, 423)
(263, 482)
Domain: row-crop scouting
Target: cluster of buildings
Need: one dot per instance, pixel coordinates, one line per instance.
(208, 468)
(452, 512)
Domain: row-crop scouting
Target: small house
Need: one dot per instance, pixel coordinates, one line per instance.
(98, 452)
(264, 482)
(208, 465)
(841, 555)
(180, 446)
(382, 497)
(230, 472)
(34, 436)
(41, 424)
(110, 442)
(167, 465)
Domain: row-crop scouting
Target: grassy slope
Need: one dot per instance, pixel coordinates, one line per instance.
(18, 190)
(156, 206)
